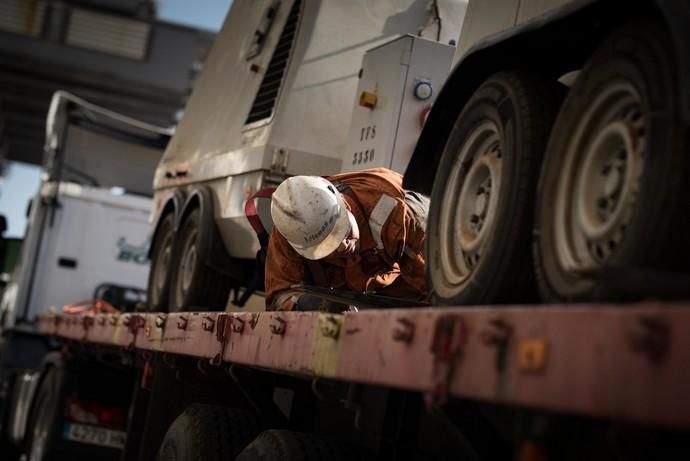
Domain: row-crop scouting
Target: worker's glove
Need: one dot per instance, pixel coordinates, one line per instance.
(308, 302)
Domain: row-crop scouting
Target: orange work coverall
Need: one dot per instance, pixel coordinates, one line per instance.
(390, 259)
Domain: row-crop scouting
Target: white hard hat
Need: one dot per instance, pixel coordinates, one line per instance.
(309, 212)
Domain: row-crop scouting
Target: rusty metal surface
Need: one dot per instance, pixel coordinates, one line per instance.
(188, 333)
(371, 351)
(621, 362)
(605, 361)
(274, 340)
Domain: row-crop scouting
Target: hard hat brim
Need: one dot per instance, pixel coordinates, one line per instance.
(332, 241)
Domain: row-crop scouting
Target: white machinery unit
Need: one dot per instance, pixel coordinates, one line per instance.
(275, 98)
(398, 83)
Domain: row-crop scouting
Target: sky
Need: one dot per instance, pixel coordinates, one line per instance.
(19, 184)
(204, 14)
(21, 180)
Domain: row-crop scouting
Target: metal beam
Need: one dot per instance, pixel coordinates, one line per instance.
(626, 362)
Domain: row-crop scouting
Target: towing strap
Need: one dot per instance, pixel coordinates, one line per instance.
(253, 216)
(255, 221)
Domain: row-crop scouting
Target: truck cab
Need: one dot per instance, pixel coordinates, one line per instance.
(87, 224)
(86, 238)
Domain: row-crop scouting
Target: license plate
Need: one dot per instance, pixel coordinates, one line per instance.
(94, 435)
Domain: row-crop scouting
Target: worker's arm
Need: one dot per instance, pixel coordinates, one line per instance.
(403, 239)
(284, 269)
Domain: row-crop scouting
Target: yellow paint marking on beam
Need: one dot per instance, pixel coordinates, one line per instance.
(117, 332)
(324, 359)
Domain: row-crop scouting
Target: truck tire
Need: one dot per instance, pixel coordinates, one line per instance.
(45, 427)
(194, 285)
(614, 194)
(159, 275)
(281, 445)
(208, 432)
(481, 214)
(43, 441)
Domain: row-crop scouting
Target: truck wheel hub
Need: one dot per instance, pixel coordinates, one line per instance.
(189, 261)
(162, 268)
(468, 212)
(600, 182)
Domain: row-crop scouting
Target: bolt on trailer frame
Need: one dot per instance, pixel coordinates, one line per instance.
(625, 363)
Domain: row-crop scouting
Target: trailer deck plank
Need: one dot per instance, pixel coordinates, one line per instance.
(618, 362)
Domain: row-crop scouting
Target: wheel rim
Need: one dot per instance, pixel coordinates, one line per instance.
(40, 433)
(465, 224)
(161, 268)
(600, 179)
(188, 265)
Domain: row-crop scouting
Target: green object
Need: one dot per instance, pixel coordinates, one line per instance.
(12, 248)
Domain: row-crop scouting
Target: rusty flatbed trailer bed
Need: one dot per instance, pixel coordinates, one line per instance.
(616, 362)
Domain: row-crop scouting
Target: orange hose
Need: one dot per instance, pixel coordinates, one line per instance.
(90, 306)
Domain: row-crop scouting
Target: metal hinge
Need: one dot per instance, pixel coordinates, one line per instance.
(279, 161)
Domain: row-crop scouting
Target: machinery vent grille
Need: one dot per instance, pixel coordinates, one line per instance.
(108, 34)
(22, 17)
(266, 97)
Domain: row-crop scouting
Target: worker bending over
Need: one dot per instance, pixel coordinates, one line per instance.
(355, 231)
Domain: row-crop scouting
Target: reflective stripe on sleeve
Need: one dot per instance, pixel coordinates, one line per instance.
(283, 301)
(383, 209)
(410, 252)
